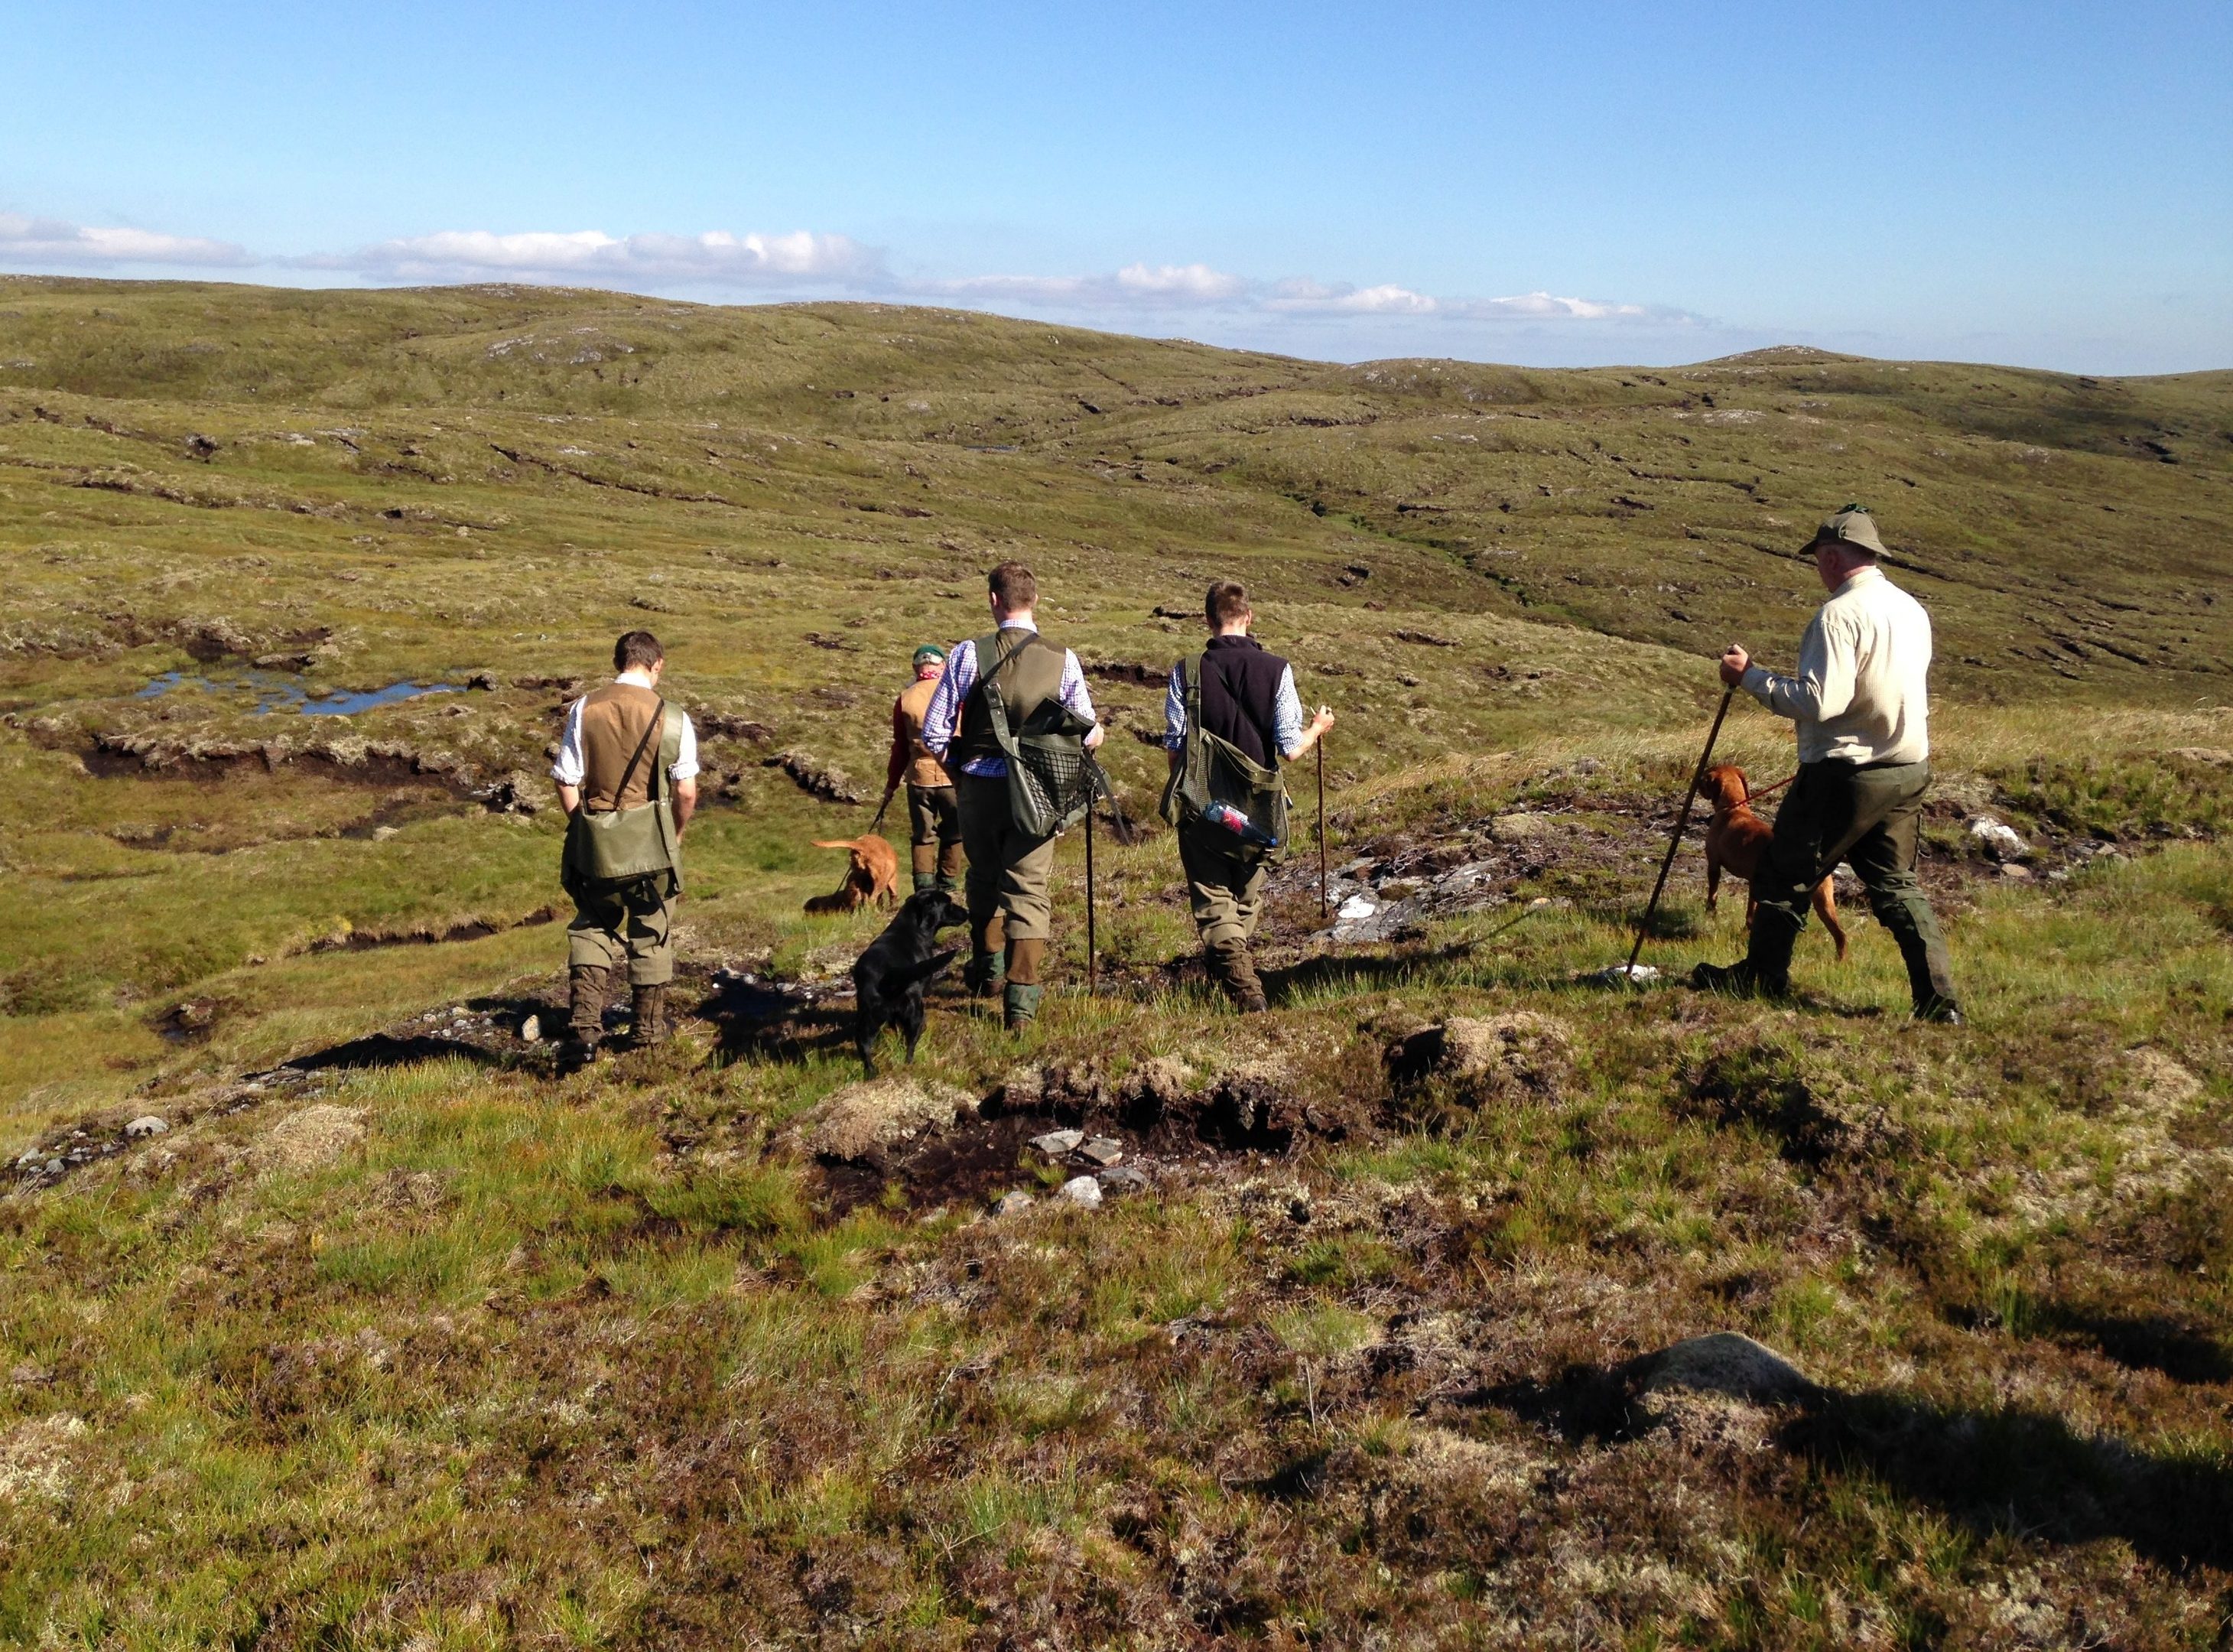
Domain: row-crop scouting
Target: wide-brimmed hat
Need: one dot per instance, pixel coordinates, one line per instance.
(1851, 526)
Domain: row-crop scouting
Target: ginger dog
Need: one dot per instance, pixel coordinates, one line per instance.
(1736, 842)
(871, 879)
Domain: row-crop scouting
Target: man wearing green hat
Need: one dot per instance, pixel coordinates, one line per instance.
(934, 820)
(1861, 703)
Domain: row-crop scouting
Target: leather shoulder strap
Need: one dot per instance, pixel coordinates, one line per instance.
(651, 731)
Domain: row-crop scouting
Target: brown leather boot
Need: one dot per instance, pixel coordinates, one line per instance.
(587, 986)
(649, 1028)
(1231, 968)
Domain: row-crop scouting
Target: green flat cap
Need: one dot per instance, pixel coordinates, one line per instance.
(1851, 526)
(929, 650)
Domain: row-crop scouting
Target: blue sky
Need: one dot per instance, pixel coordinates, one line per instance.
(2041, 184)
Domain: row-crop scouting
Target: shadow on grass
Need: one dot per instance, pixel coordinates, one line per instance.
(2024, 1474)
(387, 1049)
(2183, 1352)
(2010, 1472)
(1338, 973)
(776, 1019)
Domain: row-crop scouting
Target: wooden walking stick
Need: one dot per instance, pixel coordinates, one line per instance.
(1682, 822)
(1092, 950)
(1325, 906)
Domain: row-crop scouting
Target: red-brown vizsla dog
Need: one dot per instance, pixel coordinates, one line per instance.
(1736, 842)
(872, 877)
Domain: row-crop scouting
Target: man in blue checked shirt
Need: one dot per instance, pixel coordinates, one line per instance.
(1247, 698)
(1010, 914)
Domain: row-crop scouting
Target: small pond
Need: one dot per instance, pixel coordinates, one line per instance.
(275, 690)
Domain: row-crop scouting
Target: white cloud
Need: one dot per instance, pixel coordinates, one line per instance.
(716, 257)
(52, 241)
(1192, 283)
(804, 262)
(1138, 286)
(1541, 306)
(1304, 297)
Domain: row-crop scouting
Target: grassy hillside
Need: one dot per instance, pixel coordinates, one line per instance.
(391, 1338)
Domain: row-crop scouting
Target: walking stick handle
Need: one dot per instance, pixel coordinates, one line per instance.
(1681, 822)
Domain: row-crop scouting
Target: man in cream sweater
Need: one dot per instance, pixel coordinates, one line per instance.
(1861, 703)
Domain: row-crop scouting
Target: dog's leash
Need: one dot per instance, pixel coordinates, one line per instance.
(1764, 791)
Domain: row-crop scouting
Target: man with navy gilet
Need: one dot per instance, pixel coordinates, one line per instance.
(606, 761)
(1248, 697)
(1010, 910)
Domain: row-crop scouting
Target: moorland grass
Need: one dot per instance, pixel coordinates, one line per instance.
(522, 1362)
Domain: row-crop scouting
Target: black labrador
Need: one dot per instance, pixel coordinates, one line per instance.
(890, 977)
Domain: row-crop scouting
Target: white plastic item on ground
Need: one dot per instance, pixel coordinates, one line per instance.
(1624, 974)
(2002, 841)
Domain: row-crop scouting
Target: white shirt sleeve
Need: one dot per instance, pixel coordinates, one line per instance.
(1174, 718)
(1824, 686)
(1071, 688)
(567, 769)
(685, 766)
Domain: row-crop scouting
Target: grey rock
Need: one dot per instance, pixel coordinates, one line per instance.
(1724, 1361)
(531, 1030)
(1009, 1204)
(1101, 1150)
(54, 1167)
(1124, 1179)
(1082, 1190)
(1058, 1143)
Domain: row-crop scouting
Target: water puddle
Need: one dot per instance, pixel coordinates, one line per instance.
(278, 691)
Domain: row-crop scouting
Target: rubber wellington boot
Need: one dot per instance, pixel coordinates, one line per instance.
(648, 1029)
(924, 881)
(586, 985)
(1021, 1000)
(987, 971)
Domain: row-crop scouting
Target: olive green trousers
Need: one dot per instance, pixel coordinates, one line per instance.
(630, 924)
(1870, 817)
